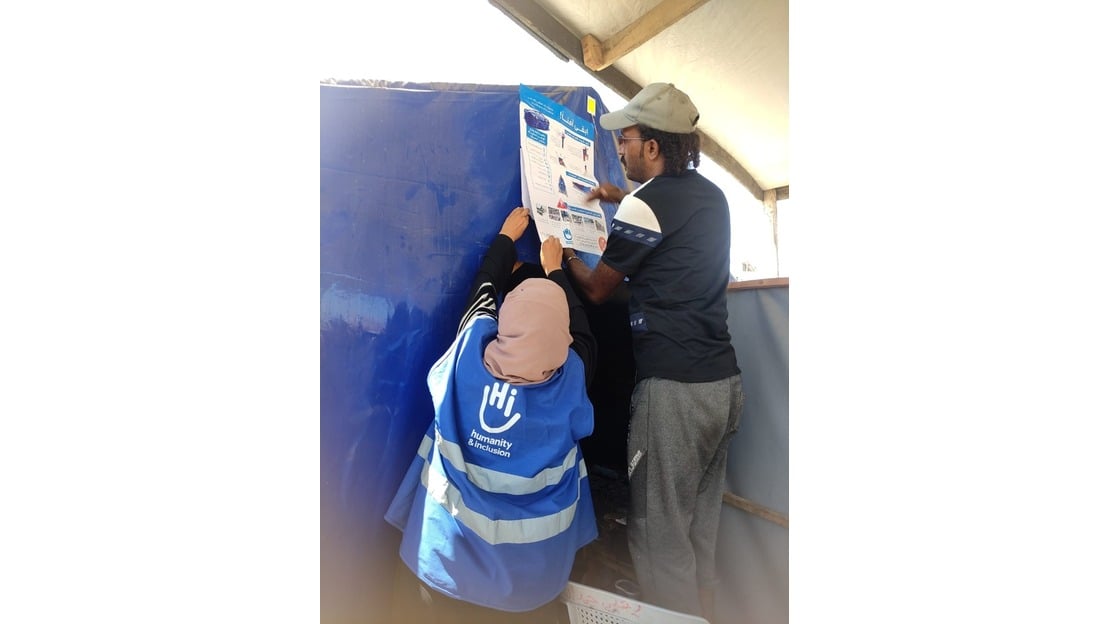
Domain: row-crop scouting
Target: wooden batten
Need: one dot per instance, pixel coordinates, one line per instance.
(757, 510)
(772, 282)
(770, 206)
(597, 54)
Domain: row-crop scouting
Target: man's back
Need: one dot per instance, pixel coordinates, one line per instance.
(671, 237)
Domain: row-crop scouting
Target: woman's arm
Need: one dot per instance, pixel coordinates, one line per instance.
(497, 265)
(583, 342)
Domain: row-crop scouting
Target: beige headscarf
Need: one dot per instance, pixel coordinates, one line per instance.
(533, 333)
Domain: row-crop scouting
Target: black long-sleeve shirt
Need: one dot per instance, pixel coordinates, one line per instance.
(489, 286)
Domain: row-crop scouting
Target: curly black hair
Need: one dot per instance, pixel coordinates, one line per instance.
(678, 150)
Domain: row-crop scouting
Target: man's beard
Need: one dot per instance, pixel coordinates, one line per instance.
(624, 164)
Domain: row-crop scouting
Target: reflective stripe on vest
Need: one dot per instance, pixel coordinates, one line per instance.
(523, 531)
(494, 480)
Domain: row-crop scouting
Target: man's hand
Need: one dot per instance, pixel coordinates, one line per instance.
(607, 192)
(551, 255)
(515, 223)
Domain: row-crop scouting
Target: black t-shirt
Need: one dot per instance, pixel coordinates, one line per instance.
(671, 238)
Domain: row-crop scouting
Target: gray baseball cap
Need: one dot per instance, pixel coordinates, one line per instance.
(659, 105)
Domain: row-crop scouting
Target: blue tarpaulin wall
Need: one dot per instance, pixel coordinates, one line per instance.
(415, 181)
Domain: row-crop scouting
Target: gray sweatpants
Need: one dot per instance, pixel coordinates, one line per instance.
(678, 438)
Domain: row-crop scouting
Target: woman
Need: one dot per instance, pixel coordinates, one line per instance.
(497, 502)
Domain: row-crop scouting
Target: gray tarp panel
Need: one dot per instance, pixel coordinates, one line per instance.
(752, 551)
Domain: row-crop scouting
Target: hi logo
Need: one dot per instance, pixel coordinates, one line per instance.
(497, 399)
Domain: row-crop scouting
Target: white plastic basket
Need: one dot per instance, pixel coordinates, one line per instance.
(590, 605)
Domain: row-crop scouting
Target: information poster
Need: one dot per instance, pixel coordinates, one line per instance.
(556, 173)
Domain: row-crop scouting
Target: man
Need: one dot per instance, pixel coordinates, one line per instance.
(670, 237)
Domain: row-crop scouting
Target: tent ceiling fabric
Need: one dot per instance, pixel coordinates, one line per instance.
(730, 56)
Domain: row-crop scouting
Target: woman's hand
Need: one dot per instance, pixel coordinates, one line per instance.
(551, 255)
(515, 223)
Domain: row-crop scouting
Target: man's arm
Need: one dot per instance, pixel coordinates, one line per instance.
(596, 284)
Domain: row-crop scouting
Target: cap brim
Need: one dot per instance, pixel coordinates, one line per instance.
(616, 120)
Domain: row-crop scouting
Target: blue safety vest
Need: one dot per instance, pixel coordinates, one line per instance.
(497, 502)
